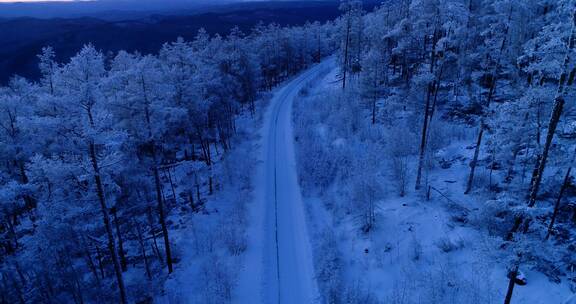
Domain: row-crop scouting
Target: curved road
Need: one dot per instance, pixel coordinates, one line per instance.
(279, 266)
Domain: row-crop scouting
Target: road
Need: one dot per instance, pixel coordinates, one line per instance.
(279, 263)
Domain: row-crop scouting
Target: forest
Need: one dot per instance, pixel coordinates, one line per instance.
(434, 156)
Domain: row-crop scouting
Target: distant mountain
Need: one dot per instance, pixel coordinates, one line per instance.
(21, 39)
(101, 8)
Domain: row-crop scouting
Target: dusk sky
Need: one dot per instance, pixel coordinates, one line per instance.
(189, 1)
(12, 1)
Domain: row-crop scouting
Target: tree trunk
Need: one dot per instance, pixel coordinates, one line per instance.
(162, 219)
(193, 156)
(433, 87)
(167, 170)
(13, 236)
(346, 46)
(556, 114)
(474, 161)
(511, 284)
(423, 139)
(100, 264)
(197, 189)
(90, 262)
(374, 110)
(558, 200)
(153, 235)
(210, 182)
(538, 125)
(143, 250)
(123, 263)
(491, 92)
(107, 225)
(191, 199)
(554, 119)
(28, 200)
(157, 181)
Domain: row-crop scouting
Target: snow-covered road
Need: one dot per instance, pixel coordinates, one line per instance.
(279, 264)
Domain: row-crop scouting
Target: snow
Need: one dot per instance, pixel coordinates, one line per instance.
(208, 269)
(572, 300)
(310, 200)
(278, 267)
(416, 244)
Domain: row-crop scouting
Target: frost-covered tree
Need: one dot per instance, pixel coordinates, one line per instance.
(351, 32)
(95, 158)
(48, 68)
(88, 145)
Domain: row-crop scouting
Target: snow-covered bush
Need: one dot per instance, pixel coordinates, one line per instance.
(231, 234)
(358, 294)
(448, 245)
(216, 281)
(416, 251)
(328, 267)
(400, 146)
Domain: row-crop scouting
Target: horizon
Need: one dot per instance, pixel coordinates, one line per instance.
(36, 1)
(47, 9)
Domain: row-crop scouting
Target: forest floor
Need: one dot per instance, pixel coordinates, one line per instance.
(421, 250)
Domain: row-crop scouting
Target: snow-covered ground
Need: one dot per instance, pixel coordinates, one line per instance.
(211, 244)
(304, 250)
(420, 251)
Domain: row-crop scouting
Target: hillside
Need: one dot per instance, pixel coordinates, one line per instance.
(421, 152)
(23, 38)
